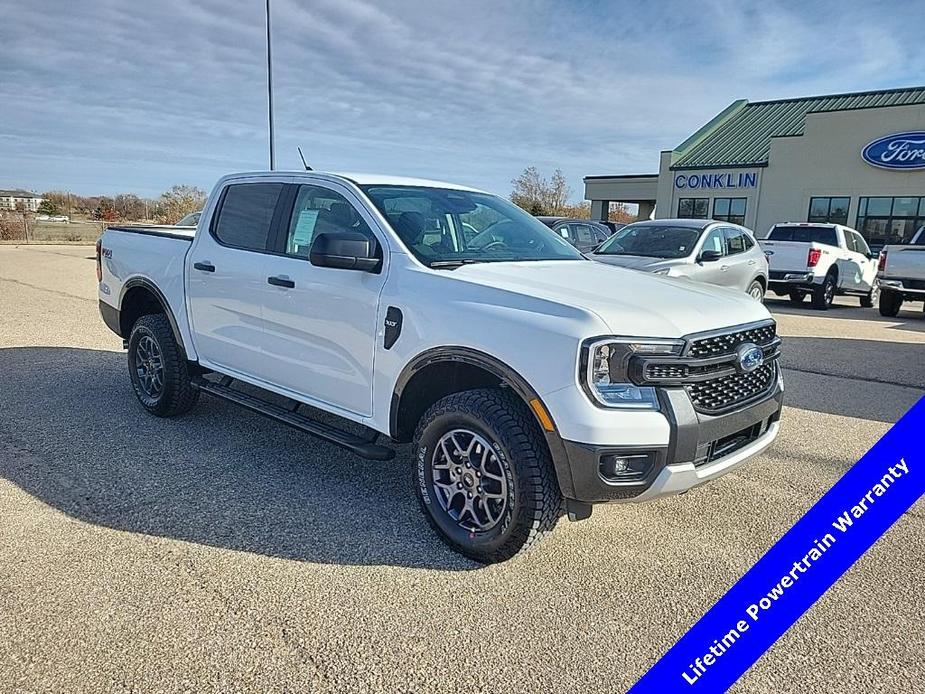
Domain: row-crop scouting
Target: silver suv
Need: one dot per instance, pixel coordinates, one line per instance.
(702, 250)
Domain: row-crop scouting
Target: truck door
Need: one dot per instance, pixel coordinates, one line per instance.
(867, 264)
(320, 323)
(850, 263)
(226, 278)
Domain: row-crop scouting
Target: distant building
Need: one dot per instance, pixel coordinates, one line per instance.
(854, 159)
(19, 200)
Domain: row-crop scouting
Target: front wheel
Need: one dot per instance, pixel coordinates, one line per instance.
(484, 476)
(872, 298)
(158, 369)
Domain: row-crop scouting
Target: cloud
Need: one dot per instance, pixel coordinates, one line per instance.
(104, 95)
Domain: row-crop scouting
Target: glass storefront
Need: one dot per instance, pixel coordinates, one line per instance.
(885, 220)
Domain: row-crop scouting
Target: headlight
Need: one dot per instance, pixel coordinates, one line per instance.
(662, 271)
(604, 366)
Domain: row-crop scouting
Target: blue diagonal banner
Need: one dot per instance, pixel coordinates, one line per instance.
(799, 568)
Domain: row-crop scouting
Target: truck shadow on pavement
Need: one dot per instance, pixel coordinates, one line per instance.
(73, 435)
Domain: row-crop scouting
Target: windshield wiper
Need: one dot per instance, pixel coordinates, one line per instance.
(437, 264)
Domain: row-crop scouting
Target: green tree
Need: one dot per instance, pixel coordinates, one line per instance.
(48, 207)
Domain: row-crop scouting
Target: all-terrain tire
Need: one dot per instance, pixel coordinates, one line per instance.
(890, 303)
(533, 500)
(824, 294)
(176, 394)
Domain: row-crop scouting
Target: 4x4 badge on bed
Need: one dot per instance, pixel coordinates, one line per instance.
(750, 357)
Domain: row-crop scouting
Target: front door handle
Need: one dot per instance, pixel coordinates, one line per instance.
(281, 282)
(724, 267)
(205, 266)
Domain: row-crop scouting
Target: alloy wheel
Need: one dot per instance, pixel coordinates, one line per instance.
(469, 480)
(149, 366)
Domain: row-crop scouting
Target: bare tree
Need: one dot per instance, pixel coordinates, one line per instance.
(539, 196)
(179, 201)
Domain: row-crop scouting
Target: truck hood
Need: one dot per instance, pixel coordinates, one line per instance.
(630, 303)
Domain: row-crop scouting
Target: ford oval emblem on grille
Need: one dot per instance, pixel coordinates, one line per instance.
(750, 357)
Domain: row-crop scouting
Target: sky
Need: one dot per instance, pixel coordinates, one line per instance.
(108, 96)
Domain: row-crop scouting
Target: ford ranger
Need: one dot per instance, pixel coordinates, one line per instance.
(530, 381)
(821, 260)
(901, 272)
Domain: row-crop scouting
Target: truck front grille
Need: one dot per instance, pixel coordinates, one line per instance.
(716, 345)
(728, 392)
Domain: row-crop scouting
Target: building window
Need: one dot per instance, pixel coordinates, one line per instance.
(828, 210)
(729, 210)
(693, 208)
(883, 221)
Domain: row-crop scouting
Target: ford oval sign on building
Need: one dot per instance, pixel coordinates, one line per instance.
(904, 151)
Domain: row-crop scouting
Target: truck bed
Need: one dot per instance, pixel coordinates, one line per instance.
(165, 230)
(905, 262)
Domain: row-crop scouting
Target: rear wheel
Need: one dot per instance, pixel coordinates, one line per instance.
(158, 369)
(890, 303)
(797, 296)
(484, 476)
(756, 290)
(824, 294)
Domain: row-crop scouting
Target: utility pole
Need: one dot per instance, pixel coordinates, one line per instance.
(270, 94)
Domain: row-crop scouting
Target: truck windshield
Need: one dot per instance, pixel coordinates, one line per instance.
(651, 241)
(805, 234)
(446, 228)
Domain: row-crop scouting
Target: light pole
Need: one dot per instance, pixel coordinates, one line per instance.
(270, 94)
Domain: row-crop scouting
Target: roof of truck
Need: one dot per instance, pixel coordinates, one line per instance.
(361, 179)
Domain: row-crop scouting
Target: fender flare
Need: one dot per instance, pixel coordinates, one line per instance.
(148, 285)
(508, 377)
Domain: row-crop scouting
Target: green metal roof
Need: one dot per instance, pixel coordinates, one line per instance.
(741, 134)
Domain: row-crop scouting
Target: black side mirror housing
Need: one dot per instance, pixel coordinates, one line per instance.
(346, 250)
(709, 256)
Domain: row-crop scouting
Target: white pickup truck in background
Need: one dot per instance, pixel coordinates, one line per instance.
(821, 260)
(530, 380)
(901, 273)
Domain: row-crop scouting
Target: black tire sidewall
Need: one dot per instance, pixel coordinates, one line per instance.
(471, 544)
(141, 329)
(821, 299)
(757, 283)
(890, 303)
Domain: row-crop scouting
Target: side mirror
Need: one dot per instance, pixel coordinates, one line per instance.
(709, 256)
(346, 250)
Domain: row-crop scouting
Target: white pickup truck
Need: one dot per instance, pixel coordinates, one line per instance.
(821, 260)
(901, 273)
(532, 382)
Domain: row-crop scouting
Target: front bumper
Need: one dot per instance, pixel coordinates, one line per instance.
(700, 448)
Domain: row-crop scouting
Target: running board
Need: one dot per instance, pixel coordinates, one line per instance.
(339, 437)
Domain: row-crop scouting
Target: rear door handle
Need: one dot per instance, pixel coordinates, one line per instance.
(281, 282)
(205, 266)
(724, 267)
(752, 262)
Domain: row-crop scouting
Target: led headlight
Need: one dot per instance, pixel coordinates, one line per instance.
(606, 362)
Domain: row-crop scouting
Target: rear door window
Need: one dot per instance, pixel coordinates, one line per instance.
(246, 215)
(735, 241)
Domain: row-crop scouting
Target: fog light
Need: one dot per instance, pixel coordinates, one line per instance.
(633, 467)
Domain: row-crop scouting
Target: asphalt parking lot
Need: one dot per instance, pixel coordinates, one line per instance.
(222, 552)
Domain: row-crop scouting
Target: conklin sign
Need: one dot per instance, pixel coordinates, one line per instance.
(721, 181)
(904, 151)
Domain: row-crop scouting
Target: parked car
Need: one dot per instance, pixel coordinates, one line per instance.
(190, 220)
(495, 354)
(699, 249)
(614, 227)
(584, 234)
(901, 273)
(821, 260)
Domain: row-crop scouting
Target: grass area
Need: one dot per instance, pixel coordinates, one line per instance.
(78, 231)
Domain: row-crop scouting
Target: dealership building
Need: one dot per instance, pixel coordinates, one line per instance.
(855, 159)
